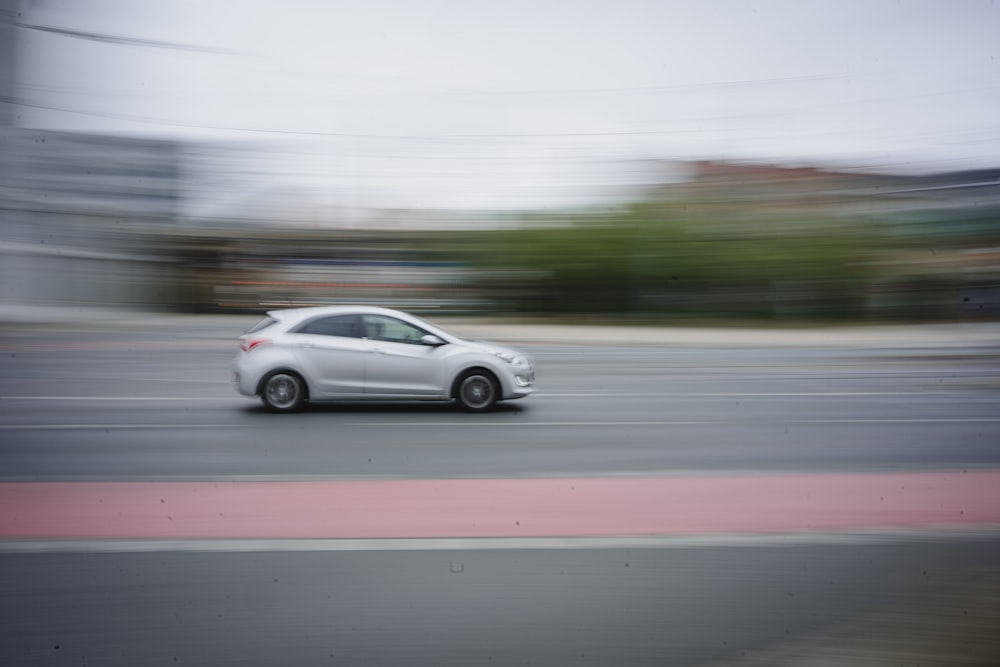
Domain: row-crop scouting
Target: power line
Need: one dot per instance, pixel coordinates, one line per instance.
(343, 135)
(120, 40)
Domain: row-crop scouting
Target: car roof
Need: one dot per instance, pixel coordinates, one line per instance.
(285, 314)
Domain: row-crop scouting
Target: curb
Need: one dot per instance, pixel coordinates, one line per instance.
(971, 336)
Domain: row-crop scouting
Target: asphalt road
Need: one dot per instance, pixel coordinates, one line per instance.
(837, 604)
(151, 402)
(155, 401)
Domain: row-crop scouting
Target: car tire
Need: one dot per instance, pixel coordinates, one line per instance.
(477, 391)
(283, 392)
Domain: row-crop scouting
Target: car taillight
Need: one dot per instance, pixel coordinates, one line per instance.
(247, 344)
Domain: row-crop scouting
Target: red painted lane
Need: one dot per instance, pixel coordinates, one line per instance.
(645, 506)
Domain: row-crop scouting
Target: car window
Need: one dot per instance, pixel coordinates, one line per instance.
(345, 326)
(380, 327)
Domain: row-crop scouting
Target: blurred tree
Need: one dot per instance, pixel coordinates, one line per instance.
(682, 259)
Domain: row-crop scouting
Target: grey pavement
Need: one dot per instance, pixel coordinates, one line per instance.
(910, 336)
(956, 335)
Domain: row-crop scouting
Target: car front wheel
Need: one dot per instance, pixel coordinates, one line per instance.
(283, 392)
(477, 391)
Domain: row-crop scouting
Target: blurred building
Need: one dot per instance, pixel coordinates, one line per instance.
(8, 63)
(770, 190)
(77, 210)
(938, 234)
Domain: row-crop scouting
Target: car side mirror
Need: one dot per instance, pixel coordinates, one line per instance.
(431, 340)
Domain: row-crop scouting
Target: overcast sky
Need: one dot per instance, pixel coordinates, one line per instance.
(472, 103)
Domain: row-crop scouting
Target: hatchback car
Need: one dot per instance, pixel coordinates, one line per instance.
(355, 353)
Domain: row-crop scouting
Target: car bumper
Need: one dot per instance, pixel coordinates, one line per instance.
(244, 385)
(522, 383)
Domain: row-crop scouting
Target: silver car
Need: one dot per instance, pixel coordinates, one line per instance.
(365, 353)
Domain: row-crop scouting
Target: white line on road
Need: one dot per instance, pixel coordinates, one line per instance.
(119, 398)
(191, 380)
(111, 427)
(717, 422)
(515, 424)
(746, 394)
(569, 394)
(888, 535)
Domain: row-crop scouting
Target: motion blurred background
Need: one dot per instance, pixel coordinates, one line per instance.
(711, 161)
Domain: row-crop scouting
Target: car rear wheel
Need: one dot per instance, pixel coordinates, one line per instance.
(283, 392)
(477, 391)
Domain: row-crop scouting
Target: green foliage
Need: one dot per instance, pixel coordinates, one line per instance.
(672, 258)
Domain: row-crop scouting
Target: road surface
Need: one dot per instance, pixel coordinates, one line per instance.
(717, 500)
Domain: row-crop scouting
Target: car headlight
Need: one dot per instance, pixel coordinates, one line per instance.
(512, 359)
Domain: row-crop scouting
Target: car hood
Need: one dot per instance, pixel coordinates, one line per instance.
(489, 348)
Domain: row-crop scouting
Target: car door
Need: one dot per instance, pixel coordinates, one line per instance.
(399, 364)
(332, 354)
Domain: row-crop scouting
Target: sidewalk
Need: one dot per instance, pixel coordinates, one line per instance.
(969, 336)
(975, 335)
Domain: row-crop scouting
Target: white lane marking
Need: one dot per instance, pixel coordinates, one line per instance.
(743, 423)
(874, 536)
(731, 394)
(550, 476)
(569, 394)
(189, 381)
(118, 398)
(110, 427)
(524, 424)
